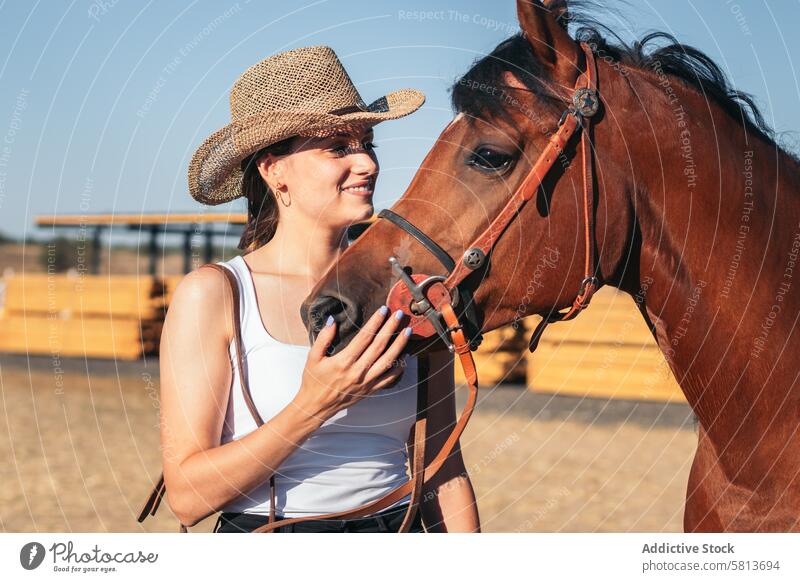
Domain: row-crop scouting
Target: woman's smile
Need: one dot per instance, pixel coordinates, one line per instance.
(362, 188)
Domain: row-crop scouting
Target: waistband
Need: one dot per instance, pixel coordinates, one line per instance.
(388, 520)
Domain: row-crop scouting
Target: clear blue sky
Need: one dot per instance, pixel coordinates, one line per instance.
(103, 102)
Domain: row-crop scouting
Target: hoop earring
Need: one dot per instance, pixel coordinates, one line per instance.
(279, 196)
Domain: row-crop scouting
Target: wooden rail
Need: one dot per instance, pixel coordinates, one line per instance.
(139, 219)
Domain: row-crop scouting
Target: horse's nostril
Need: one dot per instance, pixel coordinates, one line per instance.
(324, 306)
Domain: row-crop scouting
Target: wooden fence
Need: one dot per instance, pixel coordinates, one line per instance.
(607, 351)
(95, 316)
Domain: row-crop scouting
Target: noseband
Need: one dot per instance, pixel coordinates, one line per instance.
(431, 298)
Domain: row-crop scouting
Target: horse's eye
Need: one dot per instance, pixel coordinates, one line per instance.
(489, 160)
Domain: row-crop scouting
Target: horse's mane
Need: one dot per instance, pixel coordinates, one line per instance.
(655, 50)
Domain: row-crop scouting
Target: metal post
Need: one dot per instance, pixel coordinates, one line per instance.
(187, 251)
(153, 250)
(94, 268)
(209, 250)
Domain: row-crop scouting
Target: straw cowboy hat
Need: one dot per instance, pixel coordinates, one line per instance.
(299, 92)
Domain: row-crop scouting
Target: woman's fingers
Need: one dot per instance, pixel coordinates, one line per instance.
(381, 340)
(324, 338)
(389, 357)
(365, 335)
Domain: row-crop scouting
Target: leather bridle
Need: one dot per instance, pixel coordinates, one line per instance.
(426, 295)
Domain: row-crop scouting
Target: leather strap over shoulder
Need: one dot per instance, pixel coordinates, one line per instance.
(153, 501)
(244, 381)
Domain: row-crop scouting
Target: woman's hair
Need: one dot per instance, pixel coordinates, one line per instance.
(262, 208)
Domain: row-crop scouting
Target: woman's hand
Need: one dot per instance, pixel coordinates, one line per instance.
(333, 383)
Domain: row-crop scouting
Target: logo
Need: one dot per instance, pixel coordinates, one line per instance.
(31, 555)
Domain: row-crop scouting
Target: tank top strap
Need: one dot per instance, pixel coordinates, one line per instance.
(248, 303)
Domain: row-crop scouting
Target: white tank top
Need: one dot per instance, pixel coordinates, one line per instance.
(354, 458)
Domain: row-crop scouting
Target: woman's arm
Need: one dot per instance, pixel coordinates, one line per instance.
(202, 476)
(448, 500)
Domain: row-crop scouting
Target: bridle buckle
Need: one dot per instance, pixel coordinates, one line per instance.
(583, 298)
(420, 305)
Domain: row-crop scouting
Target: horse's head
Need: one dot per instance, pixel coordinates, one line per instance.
(509, 106)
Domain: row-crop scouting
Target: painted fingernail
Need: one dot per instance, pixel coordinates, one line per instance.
(329, 321)
(398, 315)
(384, 310)
(407, 332)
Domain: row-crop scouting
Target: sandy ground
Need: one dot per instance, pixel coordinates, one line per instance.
(79, 443)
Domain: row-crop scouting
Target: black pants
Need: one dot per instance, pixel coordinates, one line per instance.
(387, 521)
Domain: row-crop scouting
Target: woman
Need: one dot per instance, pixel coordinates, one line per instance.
(299, 149)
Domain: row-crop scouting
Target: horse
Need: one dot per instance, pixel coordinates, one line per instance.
(694, 211)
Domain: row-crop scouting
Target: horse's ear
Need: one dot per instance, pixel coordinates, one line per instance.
(544, 25)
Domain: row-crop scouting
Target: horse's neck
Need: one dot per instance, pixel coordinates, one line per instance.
(717, 219)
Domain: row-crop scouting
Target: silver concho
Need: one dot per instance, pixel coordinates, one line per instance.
(585, 102)
(473, 258)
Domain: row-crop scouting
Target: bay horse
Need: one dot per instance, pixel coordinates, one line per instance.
(695, 212)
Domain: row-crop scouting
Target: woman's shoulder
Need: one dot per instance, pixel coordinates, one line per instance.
(201, 299)
(202, 285)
